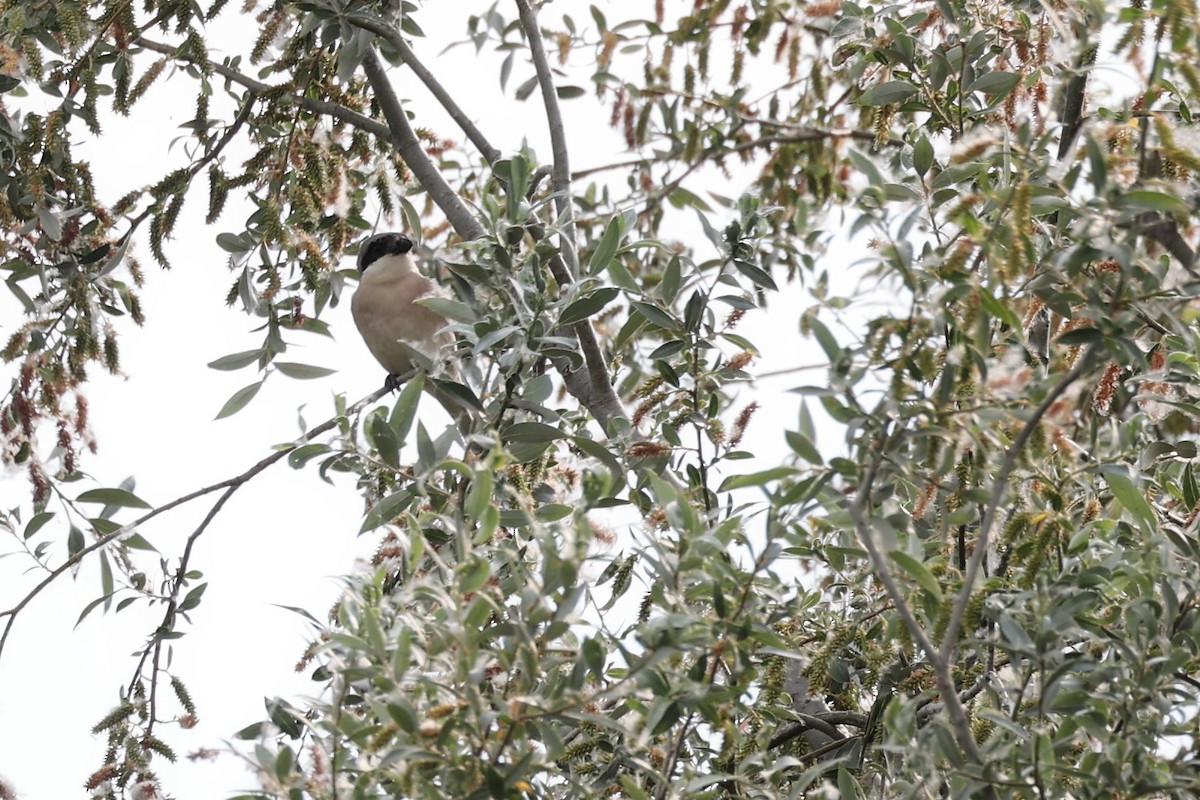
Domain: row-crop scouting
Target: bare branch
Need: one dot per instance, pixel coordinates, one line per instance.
(393, 38)
(230, 483)
(561, 176)
(423, 168)
(335, 110)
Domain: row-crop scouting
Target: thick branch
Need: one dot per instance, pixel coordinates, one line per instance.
(393, 38)
(561, 176)
(423, 168)
(596, 388)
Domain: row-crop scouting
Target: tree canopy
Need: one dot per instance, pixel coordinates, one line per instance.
(989, 587)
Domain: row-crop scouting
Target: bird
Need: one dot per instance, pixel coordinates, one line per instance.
(402, 334)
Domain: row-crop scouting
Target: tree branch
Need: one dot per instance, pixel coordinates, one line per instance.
(423, 168)
(950, 640)
(591, 387)
(230, 483)
(601, 400)
(561, 176)
(392, 36)
(335, 110)
(945, 681)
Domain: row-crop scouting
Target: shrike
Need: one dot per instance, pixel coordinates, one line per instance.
(402, 334)
(398, 331)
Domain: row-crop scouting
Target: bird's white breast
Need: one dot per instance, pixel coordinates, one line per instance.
(391, 322)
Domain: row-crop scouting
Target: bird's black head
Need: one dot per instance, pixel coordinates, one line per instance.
(380, 245)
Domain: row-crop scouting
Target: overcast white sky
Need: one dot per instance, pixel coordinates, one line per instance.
(285, 538)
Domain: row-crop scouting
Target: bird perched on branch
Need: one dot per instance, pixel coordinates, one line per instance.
(402, 334)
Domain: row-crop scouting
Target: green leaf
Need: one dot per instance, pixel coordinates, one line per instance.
(918, 572)
(606, 248)
(569, 92)
(755, 273)
(682, 198)
(234, 243)
(455, 394)
(922, 156)
(479, 497)
(526, 88)
(305, 453)
(250, 733)
(384, 440)
(552, 512)
(51, 222)
(833, 350)
(632, 789)
(663, 714)
(531, 432)
(475, 575)
(236, 360)
(621, 276)
(386, 510)
(106, 577)
(405, 409)
(138, 542)
(847, 784)
(1191, 491)
(656, 316)
(1149, 200)
(672, 279)
(757, 478)
(666, 349)
(239, 400)
(998, 310)
(193, 598)
(90, 607)
(996, 82)
(886, 93)
(303, 372)
(75, 541)
(35, 524)
(450, 309)
(1129, 496)
(589, 305)
(803, 446)
(1079, 336)
(113, 497)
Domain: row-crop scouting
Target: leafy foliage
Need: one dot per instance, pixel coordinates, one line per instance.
(989, 588)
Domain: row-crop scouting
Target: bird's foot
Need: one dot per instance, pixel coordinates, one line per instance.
(394, 381)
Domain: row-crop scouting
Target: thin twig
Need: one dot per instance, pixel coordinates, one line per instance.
(945, 681)
(335, 110)
(129, 528)
(1000, 481)
(393, 38)
(561, 175)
